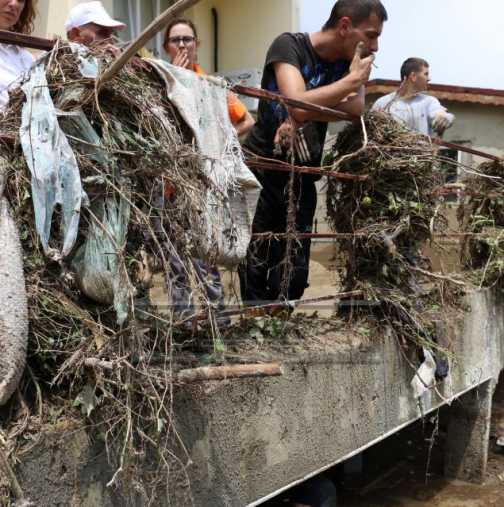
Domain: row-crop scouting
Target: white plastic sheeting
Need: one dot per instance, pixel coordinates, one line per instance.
(53, 167)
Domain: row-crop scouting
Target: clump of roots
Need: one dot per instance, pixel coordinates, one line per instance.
(390, 213)
(483, 218)
(77, 351)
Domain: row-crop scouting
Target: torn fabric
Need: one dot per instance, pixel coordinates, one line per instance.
(425, 376)
(99, 263)
(232, 201)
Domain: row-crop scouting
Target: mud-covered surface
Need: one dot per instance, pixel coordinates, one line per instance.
(406, 470)
(405, 484)
(275, 339)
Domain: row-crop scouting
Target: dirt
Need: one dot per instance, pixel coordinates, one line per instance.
(410, 484)
(407, 488)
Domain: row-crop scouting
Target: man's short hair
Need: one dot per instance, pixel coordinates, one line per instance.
(412, 65)
(357, 10)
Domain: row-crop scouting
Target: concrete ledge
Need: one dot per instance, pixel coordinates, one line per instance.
(250, 439)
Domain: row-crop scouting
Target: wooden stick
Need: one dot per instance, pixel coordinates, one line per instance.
(26, 41)
(204, 373)
(228, 372)
(94, 362)
(152, 30)
(438, 276)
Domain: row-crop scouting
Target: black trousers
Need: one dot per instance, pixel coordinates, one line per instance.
(262, 275)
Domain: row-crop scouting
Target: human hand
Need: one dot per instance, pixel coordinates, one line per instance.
(288, 133)
(181, 59)
(440, 122)
(111, 48)
(283, 135)
(360, 68)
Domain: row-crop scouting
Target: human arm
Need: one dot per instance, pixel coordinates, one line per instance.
(439, 117)
(245, 124)
(291, 84)
(241, 119)
(355, 103)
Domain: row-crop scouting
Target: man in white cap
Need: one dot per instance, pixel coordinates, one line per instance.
(90, 23)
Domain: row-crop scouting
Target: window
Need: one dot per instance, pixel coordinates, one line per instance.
(138, 14)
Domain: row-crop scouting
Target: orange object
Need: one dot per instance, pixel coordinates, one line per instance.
(169, 190)
(236, 108)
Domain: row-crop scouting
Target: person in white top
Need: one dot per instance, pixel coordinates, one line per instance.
(15, 16)
(90, 23)
(411, 105)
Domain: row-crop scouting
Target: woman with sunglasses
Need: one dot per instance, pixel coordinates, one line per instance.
(15, 16)
(181, 44)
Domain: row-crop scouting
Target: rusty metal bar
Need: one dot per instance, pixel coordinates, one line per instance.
(471, 151)
(301, 104)
(265, 309)
(278, 166)
(264, 236)
(307, 235)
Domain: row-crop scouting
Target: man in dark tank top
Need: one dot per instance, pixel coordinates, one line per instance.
(327, 68)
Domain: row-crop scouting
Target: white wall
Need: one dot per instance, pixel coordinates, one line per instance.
(482, 126)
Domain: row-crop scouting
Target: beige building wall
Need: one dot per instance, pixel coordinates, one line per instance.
(53, 13)
(246, 30)
(479, 126)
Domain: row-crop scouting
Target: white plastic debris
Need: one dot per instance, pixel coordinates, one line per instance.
(53, 167)
(425, 376)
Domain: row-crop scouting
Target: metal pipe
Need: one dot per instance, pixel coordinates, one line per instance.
(215, 18)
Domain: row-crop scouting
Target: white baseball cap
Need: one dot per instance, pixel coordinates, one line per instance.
(91, 12)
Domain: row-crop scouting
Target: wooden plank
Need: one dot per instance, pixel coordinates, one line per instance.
(236, 371)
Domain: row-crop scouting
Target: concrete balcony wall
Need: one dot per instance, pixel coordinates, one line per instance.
(250, 439)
